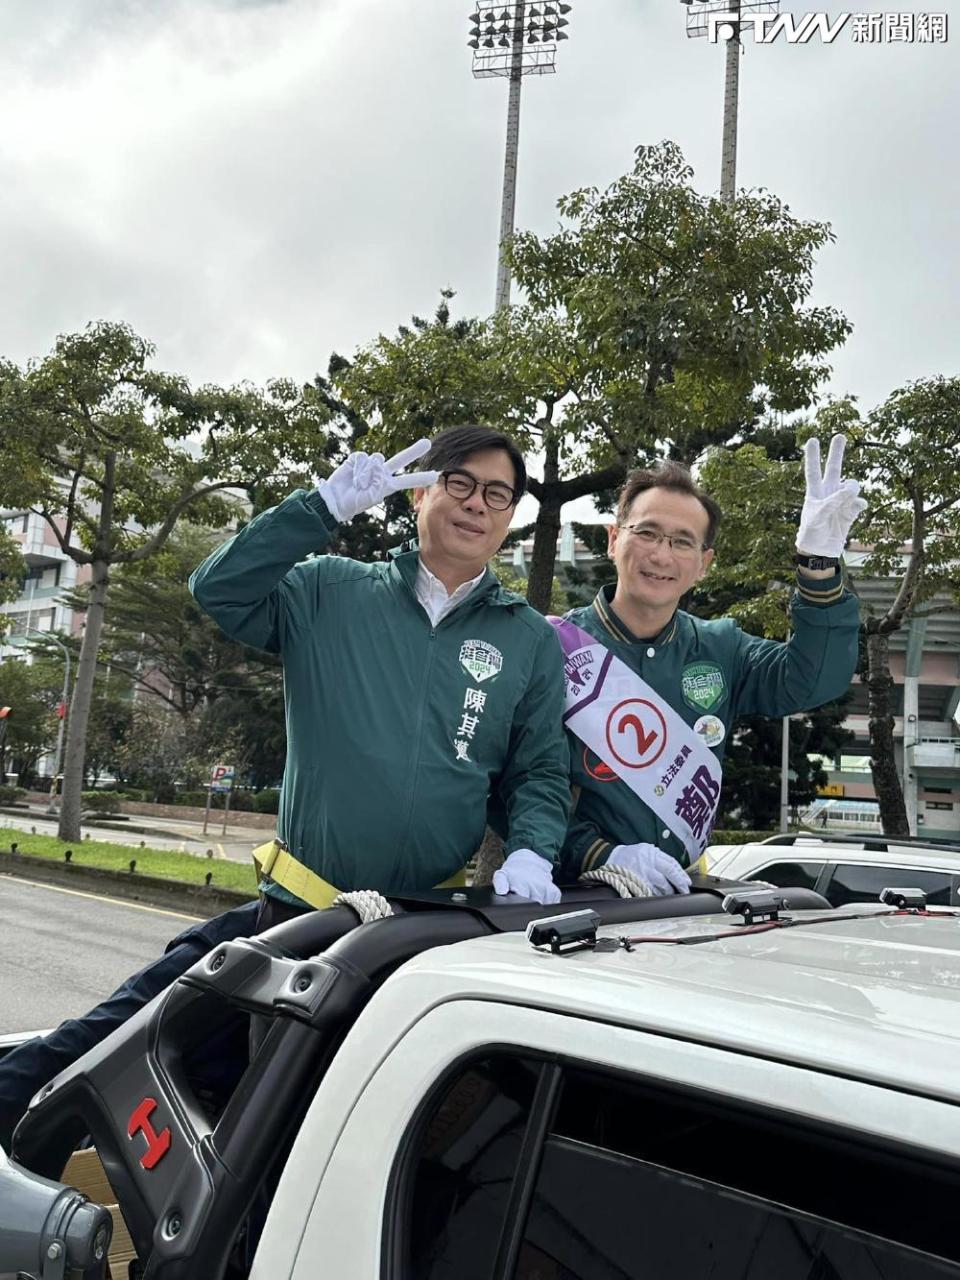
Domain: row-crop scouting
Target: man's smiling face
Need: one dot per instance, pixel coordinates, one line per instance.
(463, 534)
(654, 576)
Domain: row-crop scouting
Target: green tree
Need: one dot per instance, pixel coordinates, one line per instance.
(12, 569)
(111, 722)
(751, 766)
(32, 691)
(657, 321)
(155, 753)
(905, 451)
(157, 637)
(122, 454)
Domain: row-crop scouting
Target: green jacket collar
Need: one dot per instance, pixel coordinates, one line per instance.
(618, 629)
(406, 559)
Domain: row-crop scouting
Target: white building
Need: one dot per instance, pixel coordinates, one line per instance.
(50, 574)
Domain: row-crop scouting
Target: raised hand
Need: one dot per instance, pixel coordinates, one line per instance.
(365, 479)
(830, 505)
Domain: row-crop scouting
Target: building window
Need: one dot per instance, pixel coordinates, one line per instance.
(939, 804)
(854, 764)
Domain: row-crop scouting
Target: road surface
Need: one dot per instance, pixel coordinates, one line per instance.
(62, 951)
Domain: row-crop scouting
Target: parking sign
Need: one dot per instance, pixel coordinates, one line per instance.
(222, 779)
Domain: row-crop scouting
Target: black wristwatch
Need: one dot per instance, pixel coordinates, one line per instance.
(817, 562)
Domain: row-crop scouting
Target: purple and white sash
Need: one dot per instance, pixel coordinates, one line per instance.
(644, 741)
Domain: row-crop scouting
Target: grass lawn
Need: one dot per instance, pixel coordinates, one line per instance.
(167, 863)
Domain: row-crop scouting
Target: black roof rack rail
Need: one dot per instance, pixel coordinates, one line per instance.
(876, 841)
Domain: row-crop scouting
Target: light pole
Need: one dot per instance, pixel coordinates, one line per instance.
(698, 24)
(512, 40)
(58, 758)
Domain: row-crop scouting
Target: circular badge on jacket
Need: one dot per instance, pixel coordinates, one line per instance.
(598, 769)
(711, 730)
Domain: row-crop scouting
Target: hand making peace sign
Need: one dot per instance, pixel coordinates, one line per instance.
(365, 479)
(830, 505)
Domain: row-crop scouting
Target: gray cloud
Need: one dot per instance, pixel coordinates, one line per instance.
(253, 183)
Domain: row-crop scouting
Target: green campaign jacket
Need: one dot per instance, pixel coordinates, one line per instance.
(706, 668)
(377, 793)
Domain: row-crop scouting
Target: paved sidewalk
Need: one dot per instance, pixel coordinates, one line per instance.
(159, 833)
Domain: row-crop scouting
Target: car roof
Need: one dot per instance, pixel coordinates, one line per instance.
(860, 991)
(875, 847)
(827, 852)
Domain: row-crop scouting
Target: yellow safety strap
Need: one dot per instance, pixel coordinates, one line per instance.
(273, 860)
(701, 867)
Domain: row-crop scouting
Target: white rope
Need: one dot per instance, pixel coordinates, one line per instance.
(367, 903)
(626, 883)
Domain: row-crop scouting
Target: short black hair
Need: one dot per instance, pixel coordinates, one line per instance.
(453, 446)
(668, 475)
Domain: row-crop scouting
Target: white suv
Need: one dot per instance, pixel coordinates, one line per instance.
(844, 868)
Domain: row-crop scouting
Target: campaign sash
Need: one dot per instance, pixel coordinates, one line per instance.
(643, 740)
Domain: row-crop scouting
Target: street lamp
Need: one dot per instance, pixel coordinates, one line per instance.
(58, 758)
(698, 23)
(514, 39)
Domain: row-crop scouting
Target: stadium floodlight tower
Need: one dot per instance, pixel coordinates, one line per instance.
(698, 24)
(512, 40)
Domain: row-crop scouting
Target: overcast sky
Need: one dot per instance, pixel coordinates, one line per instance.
(254, 183)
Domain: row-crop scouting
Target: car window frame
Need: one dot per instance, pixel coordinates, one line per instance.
(818, 884)
(829, 867)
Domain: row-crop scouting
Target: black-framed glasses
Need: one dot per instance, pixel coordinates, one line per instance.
(462, 485)
(681, 544)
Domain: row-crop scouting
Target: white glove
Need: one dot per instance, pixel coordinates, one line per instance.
(364, 480)
(662, 873)
(527, 874)
(830, 505)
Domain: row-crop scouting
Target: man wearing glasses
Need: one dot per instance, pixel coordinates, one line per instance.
(413, 688)
(653, 693)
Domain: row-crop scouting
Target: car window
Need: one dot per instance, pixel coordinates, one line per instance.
(598, 1215)
(465, 1158)
(629, 1178)
(636, 1181)
(851, 883)
(790, 875)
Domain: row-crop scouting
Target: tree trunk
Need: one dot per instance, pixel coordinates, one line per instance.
(76, 745)
(883, 765)
(80, 703)
(546, 531)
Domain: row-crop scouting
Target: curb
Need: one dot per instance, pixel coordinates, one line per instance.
(174, 895)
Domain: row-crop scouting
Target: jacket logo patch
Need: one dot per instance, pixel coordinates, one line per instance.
(480, 660)
(702, 686)
(598, 769)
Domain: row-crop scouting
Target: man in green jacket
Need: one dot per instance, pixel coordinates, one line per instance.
(654, 693)
(414, 688)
